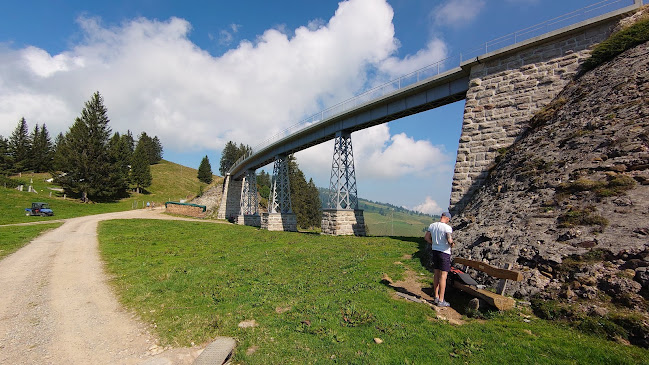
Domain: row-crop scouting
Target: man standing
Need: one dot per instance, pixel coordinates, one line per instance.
(439, 236)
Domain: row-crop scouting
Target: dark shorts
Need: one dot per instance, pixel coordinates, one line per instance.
(441, 261)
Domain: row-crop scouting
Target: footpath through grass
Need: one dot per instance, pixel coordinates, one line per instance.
(314, 299)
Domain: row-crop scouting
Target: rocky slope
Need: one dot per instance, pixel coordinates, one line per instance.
(568, 203)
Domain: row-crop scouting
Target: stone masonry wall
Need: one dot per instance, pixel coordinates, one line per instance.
(230, 199)
(504, 93)
(343, 222)
(187, 210)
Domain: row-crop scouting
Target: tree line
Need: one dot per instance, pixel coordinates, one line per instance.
(87, 161)
(305, 198)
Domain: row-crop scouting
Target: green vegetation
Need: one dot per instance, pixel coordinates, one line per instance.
(581, 217)
(171, 182)
(13, 238)
(317, 299)
(205, 171)
(616, 184)
(401, 224)
(617, 43)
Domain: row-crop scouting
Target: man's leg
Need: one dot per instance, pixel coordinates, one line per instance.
(441, 285)
(436, 276)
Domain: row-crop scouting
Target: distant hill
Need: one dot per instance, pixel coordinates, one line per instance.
(385, 219)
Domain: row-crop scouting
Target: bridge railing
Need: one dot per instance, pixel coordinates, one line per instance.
(573, 17)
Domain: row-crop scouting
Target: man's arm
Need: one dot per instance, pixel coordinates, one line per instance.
(449, 238)
(428, 238)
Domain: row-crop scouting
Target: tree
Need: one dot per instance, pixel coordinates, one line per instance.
(41, 154)
(120, 156)
(151, 147)
(84, 153)
(5, 157)
(205, 171)
(57, 155)
(140, 169)
(19, 146)
(228, 157)
(231, 153)
(305, 198)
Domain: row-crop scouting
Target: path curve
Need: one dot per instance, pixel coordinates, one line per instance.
(56, 306)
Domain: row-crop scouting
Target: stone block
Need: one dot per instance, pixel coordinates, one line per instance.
(339, 222)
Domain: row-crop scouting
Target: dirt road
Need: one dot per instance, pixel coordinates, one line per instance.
(57, 308)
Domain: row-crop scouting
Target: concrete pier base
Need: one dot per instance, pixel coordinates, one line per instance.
(253, 220)
(343, 222)
(279, 222)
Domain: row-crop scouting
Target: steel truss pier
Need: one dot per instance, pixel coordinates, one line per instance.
(249, 211)
(280, 215)
(343, 216)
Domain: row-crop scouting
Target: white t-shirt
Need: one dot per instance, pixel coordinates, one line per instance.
(438, 231)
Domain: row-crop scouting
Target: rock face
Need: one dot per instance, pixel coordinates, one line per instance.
(568, 202)
(210, 199)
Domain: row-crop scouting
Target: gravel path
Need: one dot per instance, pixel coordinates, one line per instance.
(56, 306)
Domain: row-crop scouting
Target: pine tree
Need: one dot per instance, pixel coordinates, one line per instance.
(19, 146)
(140, 168)
(84, 155)
(157, 149)
(228, 157)
(305, 198)
(120, 156)
(152, 147)
(5, 157)
(57, 155)
(205, 171)
(41, 151)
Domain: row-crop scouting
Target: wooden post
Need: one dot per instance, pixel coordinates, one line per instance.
(502, 284)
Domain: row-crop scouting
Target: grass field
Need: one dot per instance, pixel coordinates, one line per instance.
(14, 237)
(396, 224)
(315, 299)
(170, 182)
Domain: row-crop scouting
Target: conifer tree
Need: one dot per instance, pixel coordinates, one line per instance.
(152, 148)
(120, 156)
(84, 155)
(305, 198)
(19, 146)
(229, 156)
(57, 155)
(5, 157)
(205, 171)
(140, 168)
(41, 152)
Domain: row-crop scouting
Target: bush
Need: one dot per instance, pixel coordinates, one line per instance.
(11, 183)
(617, 43)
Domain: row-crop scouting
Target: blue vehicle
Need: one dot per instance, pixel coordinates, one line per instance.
(42, 209)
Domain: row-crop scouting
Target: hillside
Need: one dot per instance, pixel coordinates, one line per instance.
(383, 219)
(170, 182)
(568, 203)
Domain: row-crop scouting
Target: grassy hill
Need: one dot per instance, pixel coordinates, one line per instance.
(170, 182)
(383, 219)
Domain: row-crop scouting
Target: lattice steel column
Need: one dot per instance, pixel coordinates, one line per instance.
(249, 200)
(280, 195)
(342, 185)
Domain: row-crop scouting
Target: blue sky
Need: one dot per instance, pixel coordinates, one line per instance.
(200, 73)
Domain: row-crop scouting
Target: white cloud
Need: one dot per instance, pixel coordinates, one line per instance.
(380, 156)
(226, 36)
(457, 12)
(154, 79)
(429, 206)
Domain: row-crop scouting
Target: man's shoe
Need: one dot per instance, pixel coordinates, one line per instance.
(443, 303)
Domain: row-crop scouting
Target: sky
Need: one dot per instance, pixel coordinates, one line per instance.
(198, 74)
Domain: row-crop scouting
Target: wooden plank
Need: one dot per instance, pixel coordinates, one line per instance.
(490, 270)
(496, 300)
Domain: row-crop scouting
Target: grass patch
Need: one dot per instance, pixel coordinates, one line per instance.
(581, 217)
(616, 184)
(13, 238)
(617, 43)
(316, 299)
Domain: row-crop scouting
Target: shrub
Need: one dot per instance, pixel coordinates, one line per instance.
(617, 43)
(581, 217)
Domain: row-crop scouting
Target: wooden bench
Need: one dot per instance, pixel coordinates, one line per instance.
(496, 299)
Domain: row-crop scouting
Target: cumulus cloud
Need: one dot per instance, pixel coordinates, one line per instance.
(154, 79)
(457, 12)
(378, 155)
(429, 206)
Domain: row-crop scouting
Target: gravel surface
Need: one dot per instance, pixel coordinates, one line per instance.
(56, 306)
